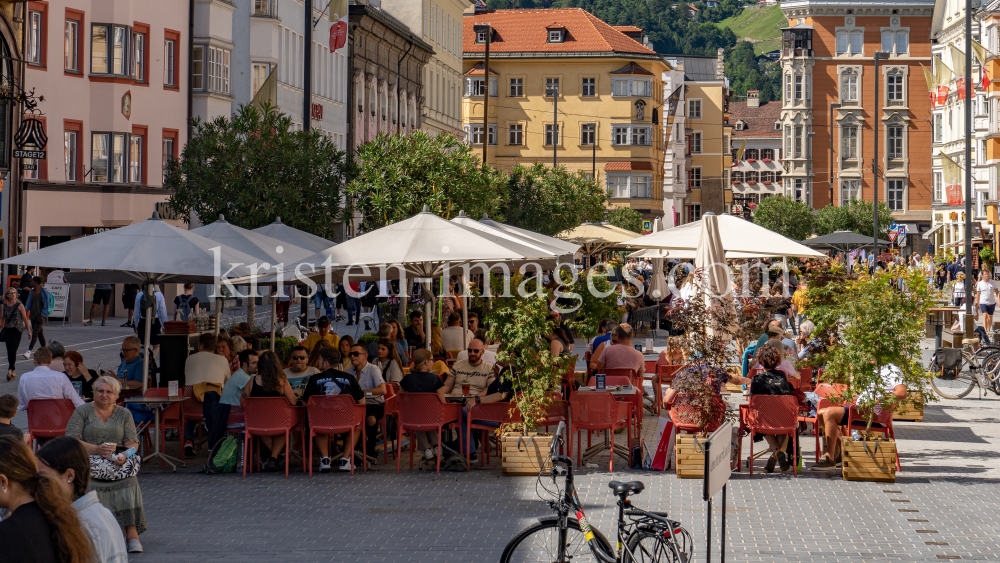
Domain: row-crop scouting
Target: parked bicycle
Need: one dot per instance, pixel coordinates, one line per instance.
(954, 380)
(567, 537)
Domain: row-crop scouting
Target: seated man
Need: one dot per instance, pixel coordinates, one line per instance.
(475, 371)
(332, 381)
(452, 335)
(44, 383)
(130, 368)
(8, 409)
(323, 325)
(489, 356)
(622, 354)
(299, 370)
(422, 379)
(206, 372)
(369, 376)
(233, 389)
(415, 332)
(835, 417)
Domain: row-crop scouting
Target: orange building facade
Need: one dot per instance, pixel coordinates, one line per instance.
(828, 58)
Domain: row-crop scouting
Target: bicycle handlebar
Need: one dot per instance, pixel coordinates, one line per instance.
(557, 439)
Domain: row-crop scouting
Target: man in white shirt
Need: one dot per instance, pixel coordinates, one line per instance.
(452, 336)
(206, 372)
(44, 383)
(986, 299)
(489, 356)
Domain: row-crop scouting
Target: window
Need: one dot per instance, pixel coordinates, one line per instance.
(938, 128)
(767, 176)
(752, 176)
(788, 87)
(169, 55)
(694, 212)
(737, 176)
(635, 87)
(694, 109)
(69, 144)
(894, 190)
(481, 37)
(475, 87)
(629, 186)
(894, 145)
(798, 87)
(516, 87)
(696, 176)
(799, 190)
(849, 87)
(34, 50)
(198, 67)
(902, 42)
(633, 135)
(980, 204)
(788, 141)
(551, 87)
(617, 185)
(551, 134)
(938, 187)
(139, 56)
(798, 141)
(841, 42)
(515, 134)
(260, 74)
(217, 79)
(640, 136)
(849, 142)
(71, 38)
(857, 43)
(696, 142)
(491, 135)
(266, 8)
(621, 135)
(849, 189)
(99, 158)
(894, 88)
(641, 187)
(751, 154)
(135, 159)
(887, 41)
(555, 36)
(589, 88)
(588, 134)
(99, 49)
(168, 154)
(767, 154)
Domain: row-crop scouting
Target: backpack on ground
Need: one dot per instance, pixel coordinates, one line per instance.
(226, 456)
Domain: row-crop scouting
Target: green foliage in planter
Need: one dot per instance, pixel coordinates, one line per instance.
(520, 325)
(987, 257)
(593, 299)
(282, 346)
(874, 320)
(368, 338)
(699, 387)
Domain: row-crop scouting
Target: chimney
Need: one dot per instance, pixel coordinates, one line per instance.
(753, 99)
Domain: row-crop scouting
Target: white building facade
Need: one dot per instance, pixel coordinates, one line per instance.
(675, 161)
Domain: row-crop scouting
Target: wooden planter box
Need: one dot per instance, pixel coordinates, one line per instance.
(528, 457)
(908, 412)
(878, 465)
(690, 460)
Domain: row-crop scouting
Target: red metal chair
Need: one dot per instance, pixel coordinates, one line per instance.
(683, 422)
(884, 418)
(665, 374)
(805, 378)
(826, 390)
(593, 410)
(424, 412)
(190, 410)
(170, 417)
(47, 418)
(626, 372)
(611, 380)
(271, 416)
(330, 415)
(499, 413)
(391, 410)
(771, 414)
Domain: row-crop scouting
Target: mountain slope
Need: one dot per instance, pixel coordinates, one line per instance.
(760, 26)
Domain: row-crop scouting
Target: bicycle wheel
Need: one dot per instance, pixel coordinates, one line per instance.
(952, 386)
(540, 543)
(647, 546)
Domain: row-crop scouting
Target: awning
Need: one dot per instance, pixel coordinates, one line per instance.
(628, 165)
(961, 242)
(931, 232)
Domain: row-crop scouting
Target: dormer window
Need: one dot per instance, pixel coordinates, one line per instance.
(555, 36)
(777, 126)
(481, 37)
(739, 126)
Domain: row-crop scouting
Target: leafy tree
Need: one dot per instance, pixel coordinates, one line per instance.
(626, 218)
(855, 216)
(785, 216)
(550, 200)
(397, 175)
(253, 168)
(746, 73)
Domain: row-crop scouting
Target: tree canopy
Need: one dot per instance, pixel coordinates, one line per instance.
(855, 216)
(548, 201)
(746, 73)
(785, 216)
(253, 168)
(626, 218)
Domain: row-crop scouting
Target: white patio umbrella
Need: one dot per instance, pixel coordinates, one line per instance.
(553, 242)
(424, 246)
(293, 236)
(598, 237)
(658, 285)
(147, 253)
(265, 249)
(736, 235)
(711, 260)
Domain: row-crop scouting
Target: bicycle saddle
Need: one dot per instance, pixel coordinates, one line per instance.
(621, 489)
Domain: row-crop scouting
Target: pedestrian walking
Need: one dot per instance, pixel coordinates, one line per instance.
(102, 295)
(15, 320)
(26, 280)
(38, 311)
(128, 301)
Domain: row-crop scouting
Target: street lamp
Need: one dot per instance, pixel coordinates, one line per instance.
(552, 89)
(807, 196)
(832, 107)
(487, 30)
(879, 56)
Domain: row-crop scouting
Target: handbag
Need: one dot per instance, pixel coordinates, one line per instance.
(7, 319)
(104, 469)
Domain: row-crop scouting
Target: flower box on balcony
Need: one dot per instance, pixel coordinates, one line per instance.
(767, 182)
(751, 160)
(768, 160)
(736, 182)
(752, 182)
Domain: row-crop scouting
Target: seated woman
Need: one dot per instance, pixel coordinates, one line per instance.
(674, 354)
(422, 379)
(388, 361)
(314, 355)
(78, 374)
(772, 382)
(346, 342)
(671, 395)
(102, 427)
(437, 343)
(64, 460)
(224, 348)
(270, 381)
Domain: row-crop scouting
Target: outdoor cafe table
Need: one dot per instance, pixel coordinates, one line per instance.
(937, 316)
(157, 404)
(631, 394)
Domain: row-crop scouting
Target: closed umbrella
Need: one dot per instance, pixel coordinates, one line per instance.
(658, 284)
(294, 237)
(710, 260)
(739, 239)
(148, 253)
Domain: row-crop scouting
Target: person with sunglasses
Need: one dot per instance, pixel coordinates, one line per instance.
(130, 369)
(475, 371)
(369, 376)
(299, 371)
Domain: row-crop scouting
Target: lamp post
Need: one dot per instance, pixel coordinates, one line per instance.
(968, 162)
(553, 90)
(879, 56)
(807, 196)
(832, 107)
(488, 30)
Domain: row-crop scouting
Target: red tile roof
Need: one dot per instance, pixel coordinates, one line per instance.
(632, 68)
(524, 31)
(628, 28)
(634, 165)
(480, 69)
(758, 122)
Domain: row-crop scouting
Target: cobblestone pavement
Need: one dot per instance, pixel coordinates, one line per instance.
(944, 504)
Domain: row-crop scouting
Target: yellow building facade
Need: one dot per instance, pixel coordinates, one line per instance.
(567, 88)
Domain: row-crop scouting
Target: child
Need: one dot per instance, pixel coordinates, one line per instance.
(8, 409)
